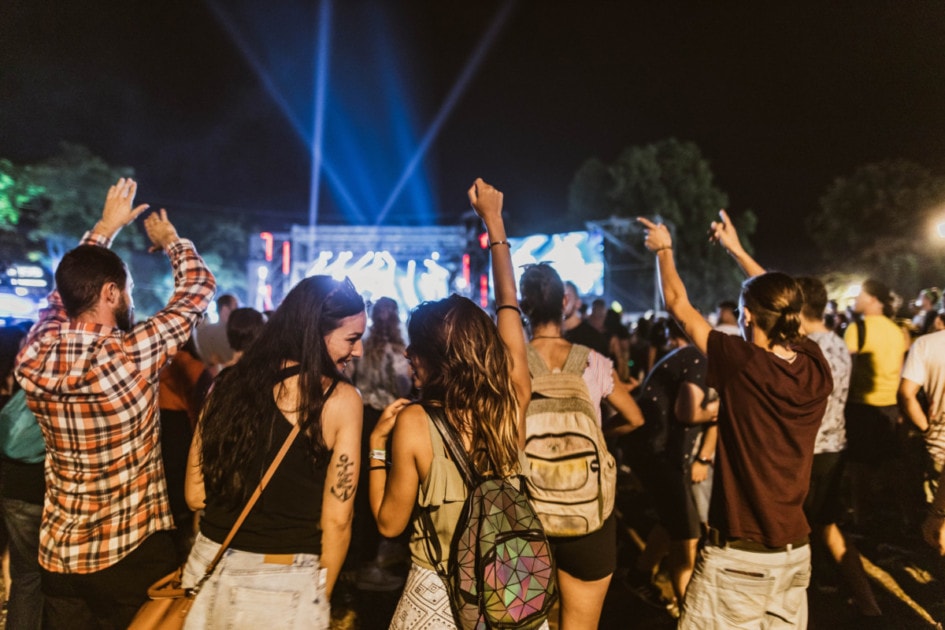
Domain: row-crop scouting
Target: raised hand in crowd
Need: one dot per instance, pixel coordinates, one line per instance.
(119, 208)
(723, 232)
(160, 230)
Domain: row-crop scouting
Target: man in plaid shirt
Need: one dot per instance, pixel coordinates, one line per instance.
(91, 378)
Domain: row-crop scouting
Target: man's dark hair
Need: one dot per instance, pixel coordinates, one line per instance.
(243, 327)
(82, 274)
(775, 302)
(815, 297)
(882, 293)
(227, 300)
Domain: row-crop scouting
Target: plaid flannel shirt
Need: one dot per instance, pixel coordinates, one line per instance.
(94, 390)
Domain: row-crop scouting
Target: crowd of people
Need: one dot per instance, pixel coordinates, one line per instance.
(781, 424)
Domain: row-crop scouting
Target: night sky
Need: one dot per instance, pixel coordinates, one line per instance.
(781, 100)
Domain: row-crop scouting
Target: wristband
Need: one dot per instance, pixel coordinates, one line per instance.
(378, 454)
(506, 243)
(704, 460)
(511, 306)
(379, 467)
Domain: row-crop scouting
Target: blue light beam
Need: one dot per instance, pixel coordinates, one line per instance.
(459, 87)
(318, 124)
(260, 71)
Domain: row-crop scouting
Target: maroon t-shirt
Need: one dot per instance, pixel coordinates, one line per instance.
(769, 413)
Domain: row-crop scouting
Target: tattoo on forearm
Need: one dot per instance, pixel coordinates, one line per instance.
(343, 488)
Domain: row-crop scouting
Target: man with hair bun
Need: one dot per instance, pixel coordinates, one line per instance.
(773, 387)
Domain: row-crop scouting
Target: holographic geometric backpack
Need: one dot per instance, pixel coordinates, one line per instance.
(500, 572)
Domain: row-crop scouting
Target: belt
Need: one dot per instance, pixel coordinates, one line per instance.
(279, 558)
(718, 539)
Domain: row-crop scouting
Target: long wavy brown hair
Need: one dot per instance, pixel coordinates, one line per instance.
(468, 372)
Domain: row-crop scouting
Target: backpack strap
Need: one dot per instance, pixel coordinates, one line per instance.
(453, 444)
(568, 383)
(457, 454)
(536, 365)
(576, 362)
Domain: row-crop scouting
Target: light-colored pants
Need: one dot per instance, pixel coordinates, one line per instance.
(732, 588)
(247, 591)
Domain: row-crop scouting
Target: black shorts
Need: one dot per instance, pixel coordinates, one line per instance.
(822, 505)
(871, 433)
(670, 489)
(589, 557)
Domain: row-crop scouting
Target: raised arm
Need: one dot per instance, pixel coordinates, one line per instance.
(151, 342)
(659, 241)
(119, 210)
(723, 233)
(487, 202)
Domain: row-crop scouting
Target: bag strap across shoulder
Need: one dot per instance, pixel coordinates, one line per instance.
(457, 454)
(453, 444)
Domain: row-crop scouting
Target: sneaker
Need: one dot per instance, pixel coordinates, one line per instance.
(374, 578)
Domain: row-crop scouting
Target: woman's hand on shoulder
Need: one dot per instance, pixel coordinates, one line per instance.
(385, 424)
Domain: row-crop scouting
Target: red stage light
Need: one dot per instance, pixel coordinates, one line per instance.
(267, 240)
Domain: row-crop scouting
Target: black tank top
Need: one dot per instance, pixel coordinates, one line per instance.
(287, 517)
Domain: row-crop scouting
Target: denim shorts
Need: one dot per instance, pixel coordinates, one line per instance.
(253, 590)
(734, 588)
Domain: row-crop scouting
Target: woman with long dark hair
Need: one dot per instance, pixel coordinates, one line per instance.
(283, 563)
(773, 386)
(477, 372)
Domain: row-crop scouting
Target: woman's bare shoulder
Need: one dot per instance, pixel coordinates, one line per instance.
(342, 408)
(344, 394)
